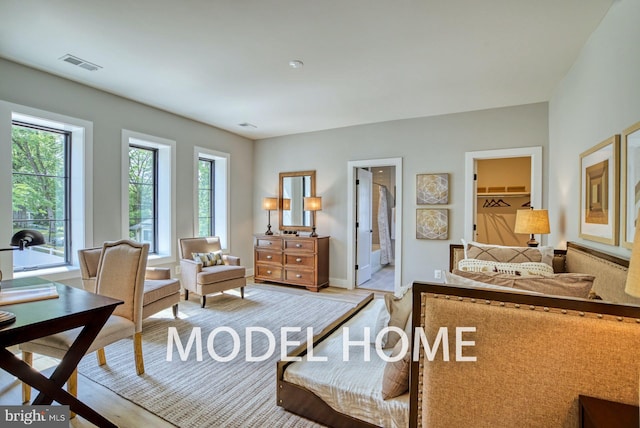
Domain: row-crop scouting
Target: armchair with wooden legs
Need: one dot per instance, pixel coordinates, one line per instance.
(120, 275)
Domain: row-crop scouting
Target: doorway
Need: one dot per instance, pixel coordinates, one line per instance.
(374, 216)
(498, 183)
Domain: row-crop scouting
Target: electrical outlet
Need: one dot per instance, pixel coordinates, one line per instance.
(178, 269)
(437, 274)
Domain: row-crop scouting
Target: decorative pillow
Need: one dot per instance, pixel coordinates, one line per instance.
(208, 259)
(381, 320)
(453, 279)
(561, 284)
(522, 269)
(400, 311)
(395, 378)
(500, 253)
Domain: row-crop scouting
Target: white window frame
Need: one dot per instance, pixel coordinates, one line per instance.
(221, 193)
(166, 148)
(81, 226)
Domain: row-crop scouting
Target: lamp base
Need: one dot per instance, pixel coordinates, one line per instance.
(7, 317)
(532, 242)
(313, 232)
(268, 232)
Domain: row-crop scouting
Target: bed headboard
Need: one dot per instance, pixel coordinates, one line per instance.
(610, 271)
(535, 355)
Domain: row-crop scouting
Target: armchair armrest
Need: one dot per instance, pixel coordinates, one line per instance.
(231, 260)
(158, 273)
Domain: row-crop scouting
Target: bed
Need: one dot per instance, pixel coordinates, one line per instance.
(544, 351)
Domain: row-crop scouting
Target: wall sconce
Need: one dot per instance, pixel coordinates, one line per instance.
(269, 204)
(532, 222)
(313, 204)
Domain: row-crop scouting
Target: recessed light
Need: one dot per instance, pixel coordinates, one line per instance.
(296, 64)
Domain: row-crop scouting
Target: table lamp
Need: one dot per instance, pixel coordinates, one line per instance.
(531, 222)
(269, 204)
(19, 241)
(313, 204)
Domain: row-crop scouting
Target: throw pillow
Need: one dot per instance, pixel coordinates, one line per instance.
(523, 269)
(500, 253)
(561, 284)
(395, 378)
(208, 259)
(453, 279)
(400, 312)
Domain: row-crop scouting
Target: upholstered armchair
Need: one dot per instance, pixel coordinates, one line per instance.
(160, 290)
(206, 270)
(120, 275)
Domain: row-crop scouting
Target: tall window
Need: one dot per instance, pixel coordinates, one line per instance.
(206, 197)
(41, 193)
(143, 196)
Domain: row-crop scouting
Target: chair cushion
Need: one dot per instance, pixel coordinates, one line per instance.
(156, 289)
(56, 345)
(213, 274)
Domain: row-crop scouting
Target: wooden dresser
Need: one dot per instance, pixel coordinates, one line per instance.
(295, 260)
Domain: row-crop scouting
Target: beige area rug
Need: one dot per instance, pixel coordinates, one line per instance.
(210, 393)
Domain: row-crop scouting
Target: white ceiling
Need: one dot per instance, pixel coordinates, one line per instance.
(226, 62)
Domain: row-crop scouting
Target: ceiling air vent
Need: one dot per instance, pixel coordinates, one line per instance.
(80, 62)
(247, 125)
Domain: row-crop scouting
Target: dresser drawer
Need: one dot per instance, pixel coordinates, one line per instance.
(275, 243)
(299, 245)
(269, 272)
(299, 260)
(269, 256)
(299, 276)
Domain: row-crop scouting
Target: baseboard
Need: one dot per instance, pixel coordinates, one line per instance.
(338, 282)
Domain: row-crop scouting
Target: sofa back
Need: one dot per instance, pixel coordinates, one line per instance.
(207, 244)
(535, 355)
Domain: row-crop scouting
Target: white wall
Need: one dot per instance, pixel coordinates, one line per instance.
(110, 114)
(599, 97)
(431, 144)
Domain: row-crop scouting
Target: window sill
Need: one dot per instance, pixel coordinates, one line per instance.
(54, 274)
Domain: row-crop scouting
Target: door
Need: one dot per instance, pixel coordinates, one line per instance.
(363, 226)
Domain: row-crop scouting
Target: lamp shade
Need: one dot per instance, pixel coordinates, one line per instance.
(313, 203)
(286, 204)
(532, 221)
(269, 203)
(633, 274)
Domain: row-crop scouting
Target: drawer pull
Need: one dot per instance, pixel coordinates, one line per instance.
(298, 276)
(269, 257)
(268, 272)
(298, 245)
(298, 260)
(269, 243)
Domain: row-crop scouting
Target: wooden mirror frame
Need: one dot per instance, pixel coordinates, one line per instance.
(283, 175)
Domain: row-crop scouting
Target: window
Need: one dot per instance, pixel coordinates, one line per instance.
(148, 192)
(211, 194)
(206, 197)
(40, 158)
(143, 196)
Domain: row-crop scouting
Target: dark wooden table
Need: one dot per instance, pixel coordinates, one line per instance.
(74, 308)
(599, 413)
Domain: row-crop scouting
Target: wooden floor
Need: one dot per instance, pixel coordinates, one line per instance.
(122, 412)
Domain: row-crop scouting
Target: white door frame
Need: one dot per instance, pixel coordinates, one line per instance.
(351, 217)
(535, 153)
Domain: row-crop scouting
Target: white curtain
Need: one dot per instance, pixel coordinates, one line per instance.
(386, 255)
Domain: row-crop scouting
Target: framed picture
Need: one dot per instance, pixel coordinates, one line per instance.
(432, 223)
(630, 183)
(599, 178)
(432, 189)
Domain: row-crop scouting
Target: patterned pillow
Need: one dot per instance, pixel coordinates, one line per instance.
(499, 253)
(522, 269)
(208, 259)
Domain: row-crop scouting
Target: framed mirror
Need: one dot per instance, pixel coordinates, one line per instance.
(294, 187)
